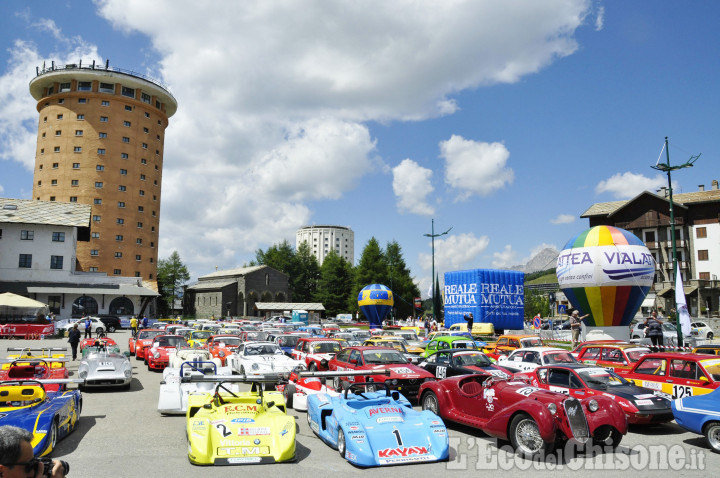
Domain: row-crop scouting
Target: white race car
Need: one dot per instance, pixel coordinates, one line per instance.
(530, 358)
(253, 358)
(174, 392)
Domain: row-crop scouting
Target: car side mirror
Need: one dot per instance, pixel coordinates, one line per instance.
(704, 379)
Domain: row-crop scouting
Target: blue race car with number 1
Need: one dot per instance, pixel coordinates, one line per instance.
(377, 428)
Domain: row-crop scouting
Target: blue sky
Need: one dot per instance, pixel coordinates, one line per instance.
(504, 120)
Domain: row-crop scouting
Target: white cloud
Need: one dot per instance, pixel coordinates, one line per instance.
(563, 219)
(1, 189)
(600, 18)
(411, 185)
(274, 97)
(627, 185)
(475, 168)
(506, 258)
(457, 252)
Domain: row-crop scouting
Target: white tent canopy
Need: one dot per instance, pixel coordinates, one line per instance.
(8, 299)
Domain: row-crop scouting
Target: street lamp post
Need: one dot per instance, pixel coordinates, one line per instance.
(666, 168)
(432, 235)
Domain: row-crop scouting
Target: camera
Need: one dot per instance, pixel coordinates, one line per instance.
(48, 466)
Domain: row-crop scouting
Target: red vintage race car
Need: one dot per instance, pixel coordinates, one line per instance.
(404, 377)
(316, 352)
(36, 369)
(641, 405)
(106, 341)
(614, 355)
(532, 419)
(143, 339)
(157, 354)
(220, 346)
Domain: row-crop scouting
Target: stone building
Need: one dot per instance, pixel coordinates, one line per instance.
(235, 291)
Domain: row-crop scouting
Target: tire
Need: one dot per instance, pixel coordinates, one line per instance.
(289, 392)
(308, 418)
(371, 387)
(313, 367)
(53, 434)
(525, 436)
(429, 401)
(607, 436)
(341, 442)
(111, 329)
(710, 335)
(712, 435)
(635, 336)
(242, 370)
(99, 331)
(337, 384)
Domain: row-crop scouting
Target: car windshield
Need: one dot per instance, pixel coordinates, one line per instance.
(361, 334)
(148, 334)
(287, 340)
(559, 357)
(375, 357)
(201, 334)
(669, 327)
(471, 359)
(326, 347)
(170, 341)
(257, 335)
(531, 342)
(407, 335)
(228, 341)
(262, 349)
(601, 379)
(712, 366)
(634, 354)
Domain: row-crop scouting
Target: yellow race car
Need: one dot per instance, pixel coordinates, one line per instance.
(241, 428)
(198, 338)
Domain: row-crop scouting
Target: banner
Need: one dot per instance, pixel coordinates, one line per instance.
(492, 295)
(682, 311)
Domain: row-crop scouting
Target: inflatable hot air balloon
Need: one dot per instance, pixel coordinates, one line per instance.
(606, 272)
(375, 301)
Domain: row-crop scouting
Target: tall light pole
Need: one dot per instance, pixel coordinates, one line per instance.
(666, 168)
(432, 235)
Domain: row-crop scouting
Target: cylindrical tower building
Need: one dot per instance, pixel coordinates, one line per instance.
(100, 142)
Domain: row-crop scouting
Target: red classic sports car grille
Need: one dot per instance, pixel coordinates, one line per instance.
(576, 419)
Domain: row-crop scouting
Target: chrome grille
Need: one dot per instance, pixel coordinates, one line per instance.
(576, 418)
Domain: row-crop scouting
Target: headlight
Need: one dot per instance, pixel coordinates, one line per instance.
(128, 373)
(221, 353)
(83, 374)
(552, 408)
(593, 405)
(394, 381)
(255, 366)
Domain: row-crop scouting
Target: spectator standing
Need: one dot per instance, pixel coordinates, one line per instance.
(74, 340)
(134, 325)
(653, 329)
(575, 321)
(145, 322)
(470, 320)
(426, 325)
(88, 328)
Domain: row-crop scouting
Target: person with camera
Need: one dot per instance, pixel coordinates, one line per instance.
(17, 460)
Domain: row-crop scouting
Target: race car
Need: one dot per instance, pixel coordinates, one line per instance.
(174, 393)
(260, 358)
(198, 338)
(229, 428)
(451, 362)
(396, 342)
(507, 343)
(377, 428)
(527, 359)
(222, 345)
(301, 384)
(104, 366)
(700, 415)
(157, 354)
(35, 369)
(676, 375)
(616, 356)
(315, 353)
(404, 377)
(106, 341)
(49, 416)
(180, 356)
(143, 338)
(640, 404)
(532, 419)
(56, 354)
(446, 342)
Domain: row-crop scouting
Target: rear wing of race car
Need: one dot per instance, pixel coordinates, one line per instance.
(344, 373)
(33, 360)
(37, 349)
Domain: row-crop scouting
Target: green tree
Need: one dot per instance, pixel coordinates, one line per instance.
(536, 303)
(401, 282)
(278, 256)
(172, 274)
(305, 274)
(335, 284)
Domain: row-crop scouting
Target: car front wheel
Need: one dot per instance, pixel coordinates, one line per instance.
(712, 435)
(111, 328)
(710, 335)
(430, 402)
(525, 436)
(341, 442)
(99, 330)
(607, 436)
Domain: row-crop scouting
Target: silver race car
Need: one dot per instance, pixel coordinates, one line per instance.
(104, 366)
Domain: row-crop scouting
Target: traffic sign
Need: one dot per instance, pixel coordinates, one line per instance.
(537, 322)
(562, 309)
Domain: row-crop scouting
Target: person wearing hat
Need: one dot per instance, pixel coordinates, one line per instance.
(575, 321)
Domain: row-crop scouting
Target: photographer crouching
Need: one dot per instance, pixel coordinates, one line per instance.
(17, 460)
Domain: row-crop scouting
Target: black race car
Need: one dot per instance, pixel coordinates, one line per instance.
(447, 363)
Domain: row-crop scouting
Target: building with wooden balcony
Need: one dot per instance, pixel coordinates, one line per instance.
(697, 240)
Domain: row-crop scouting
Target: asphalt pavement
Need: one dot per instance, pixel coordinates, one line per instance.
(121, 434)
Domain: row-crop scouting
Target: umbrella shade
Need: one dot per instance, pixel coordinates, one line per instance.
(8, 299)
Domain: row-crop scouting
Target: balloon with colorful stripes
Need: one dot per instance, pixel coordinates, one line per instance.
(606, 272)
(375, 301)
